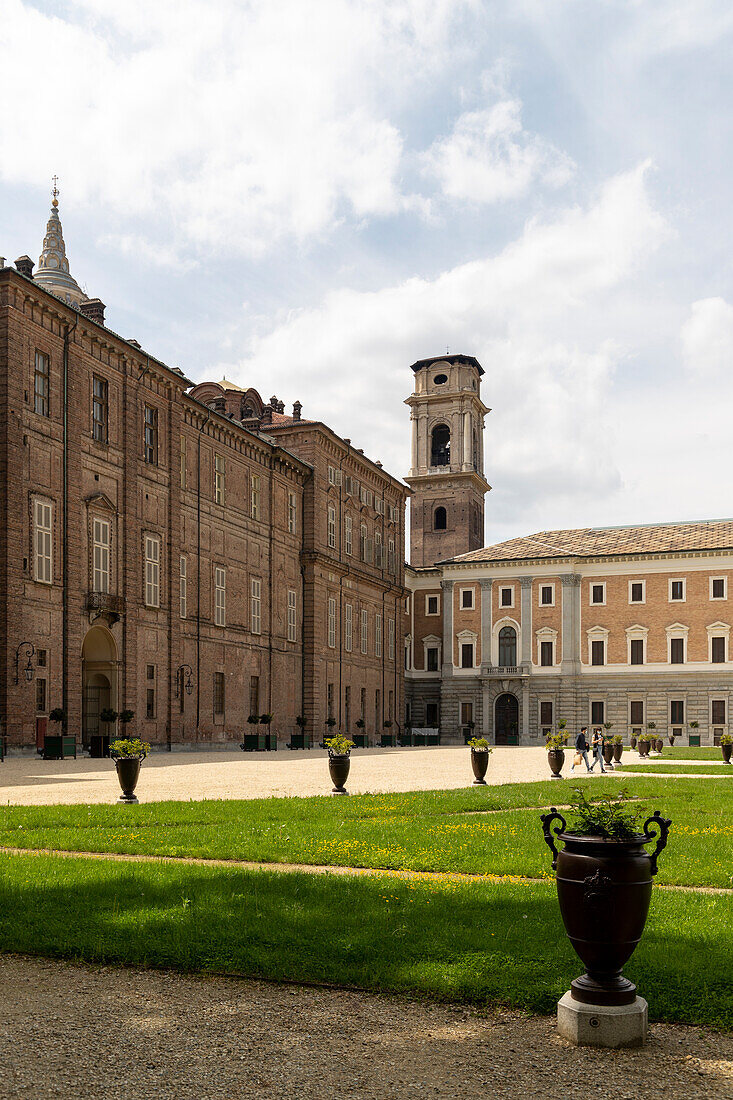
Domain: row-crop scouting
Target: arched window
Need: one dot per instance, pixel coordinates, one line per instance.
(507, 647)
(440, 446)
(440, 519)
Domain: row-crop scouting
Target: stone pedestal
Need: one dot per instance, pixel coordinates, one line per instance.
(603, 1025)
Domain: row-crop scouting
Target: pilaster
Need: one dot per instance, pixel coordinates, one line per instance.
(526, 586)
(447, 587)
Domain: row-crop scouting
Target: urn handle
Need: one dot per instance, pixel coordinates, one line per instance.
(547, 820)
(659, 831)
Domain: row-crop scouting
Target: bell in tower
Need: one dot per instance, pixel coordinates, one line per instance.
(447, 463)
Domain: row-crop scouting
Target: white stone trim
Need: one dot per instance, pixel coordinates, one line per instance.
(677, 630)
(467, 588)
(674, 580)
(431, 596)
(636, 633)
(551, 586)
(496, 629)
(724, 579)
(546, 634)
(502, 588)
(596, 584)
(466, 637)
(431, 641)
(596, 634)
(718, 630)
(642, 582)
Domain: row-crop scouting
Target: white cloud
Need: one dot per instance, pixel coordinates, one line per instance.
(489, 157)
(707, 337)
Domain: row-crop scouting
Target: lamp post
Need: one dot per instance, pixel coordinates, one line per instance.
(181, 671)
(28, 670)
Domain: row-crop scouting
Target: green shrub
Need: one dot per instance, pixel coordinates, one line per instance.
(129, 747)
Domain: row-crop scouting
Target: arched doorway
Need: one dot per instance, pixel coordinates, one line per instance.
(506, 720)
(99, 680)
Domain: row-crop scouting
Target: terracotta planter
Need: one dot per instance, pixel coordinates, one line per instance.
(479, 763)
(617, 750)
(128, 773)
(726, 751)
(556, 759)
(338, 766)
(604, 888)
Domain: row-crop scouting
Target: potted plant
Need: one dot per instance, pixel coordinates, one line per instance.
(339, 761)
(128, 754)
(265, 720)
(126, 716)
(253, 719)
(608, 744)
(361, 738)
(726, 746)
(56, 715)
(479, 759)
(604, 886)
(99, 743)
(555, 745)
(618, 747)
(645, 741)
(632, 741)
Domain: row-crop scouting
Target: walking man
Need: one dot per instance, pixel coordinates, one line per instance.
(581, 750)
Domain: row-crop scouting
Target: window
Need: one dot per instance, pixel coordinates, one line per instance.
(100, 555)
(183, 587)
(332, 527)
(43, 567)
(292, 615)
(545, 713)
(348, 534)
(677, 651)
(467, 598)
(183, 462)
(431, 605)
(219, 479)
(390, 639)
(254, 695)
(219, 693)
(440, 521)
(362, 711)
(348, 627)
(636, 712)
(466, 654)
(41, 658)
(431, 715)
(598, 593)
(432, 652)
(717, 650)
(546, 654)
(377, 634)
(598, 713)
(255, 605)
(636, 651)
(100, 409)
(506, 597)
(331, 622)
(507, 647)
(329, 701)
(378, 555)
(366, 496)
(677, 590)
(598, 653)
(220, 596)
(717, 712)
(254, 496)
(150, 672)
(151, 436)
(150, 703)
(334, 476)
(440, 445)
(466, 713)
(379, 505)
(391, 560)
(547, 595)
(41, 384)
(152, 571)
(348, 485)
(677, 712)
(364, 631)
(718, 588)
(41, 698)
(292, 514)
(363, 542)
(637, 592)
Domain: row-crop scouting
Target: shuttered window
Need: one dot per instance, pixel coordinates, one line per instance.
(43, 542)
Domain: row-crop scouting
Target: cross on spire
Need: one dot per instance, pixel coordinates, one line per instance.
(55, 190)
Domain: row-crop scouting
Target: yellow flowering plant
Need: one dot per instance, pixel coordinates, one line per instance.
(480, 744)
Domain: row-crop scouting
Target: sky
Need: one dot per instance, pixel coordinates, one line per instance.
(308, 198)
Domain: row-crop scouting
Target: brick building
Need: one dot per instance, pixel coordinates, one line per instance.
(188, 552)
(627, 625)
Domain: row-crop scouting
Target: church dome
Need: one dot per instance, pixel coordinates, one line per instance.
(53, 272)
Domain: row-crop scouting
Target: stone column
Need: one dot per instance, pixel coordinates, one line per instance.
(525, 710)
(467, 441)
(456, 442)
(486, 623)
(526, 584)
(423, 443)
(447, 587)
(486, 723)
(413, 460)
(570, 624)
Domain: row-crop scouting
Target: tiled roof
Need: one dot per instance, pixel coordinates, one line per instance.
(591, 542)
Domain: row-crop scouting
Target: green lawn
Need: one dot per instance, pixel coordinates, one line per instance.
(724, 771)
(681, 752)
(482, 943)
(432, 831)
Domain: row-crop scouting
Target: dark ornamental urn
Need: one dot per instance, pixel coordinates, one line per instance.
(659, 744)
(604, 887)
(338, 765)
(633, 742)
(726, 751)
(556, 759)
(128, 773)
(617, 750)
(608, 753)
(644, 746)
(479, 763)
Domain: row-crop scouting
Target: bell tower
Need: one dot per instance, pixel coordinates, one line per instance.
(447, 464)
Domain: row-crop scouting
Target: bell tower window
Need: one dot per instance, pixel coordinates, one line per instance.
(440, 520)
(440, 446)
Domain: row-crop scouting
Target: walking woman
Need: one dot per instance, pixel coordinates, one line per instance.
(597, 744)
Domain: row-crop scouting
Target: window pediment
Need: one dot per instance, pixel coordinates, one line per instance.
(718, 628)
(677, 629)
(599, 633)
(637, 631)
(100, 500)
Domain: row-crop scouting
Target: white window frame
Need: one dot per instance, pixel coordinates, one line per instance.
(364, 631)
(431, 641)
(467, 607)
(219, 478)
(390, 639)
(220, 595)
(596, 603)
(378, 634)
(292, 513)
(255, 605)
(183, 586)
(546, 634)
(348, 534)
(597, 634)
(152, 571)
(101, 554)
(636, 633)
(720, 697)
(724, 579)
(679, 697)
(718, 630)
(637, 580)
(348, 627)
(551, 586)
(432, 596)
(292, 615)
(43, 541)
(507, 588)
(378, 550)
(675, 580)
(466, 637)
(331, 622)
(331, 526)
(677, 630)
(638, 698)
(391, 558)
(254, 496)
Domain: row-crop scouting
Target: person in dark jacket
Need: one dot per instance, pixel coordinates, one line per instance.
(581, 747)
(597, 744)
